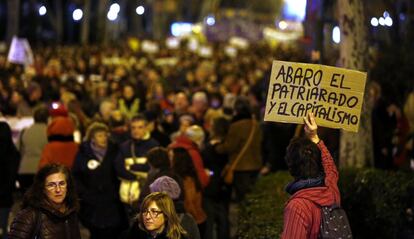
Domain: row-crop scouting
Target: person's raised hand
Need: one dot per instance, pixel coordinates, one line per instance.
(311, 128)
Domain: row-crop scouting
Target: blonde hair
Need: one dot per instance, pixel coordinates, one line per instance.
(166, 205)
(196, 134)
(93, 128)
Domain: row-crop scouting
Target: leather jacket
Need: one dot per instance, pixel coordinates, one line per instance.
(53, 224)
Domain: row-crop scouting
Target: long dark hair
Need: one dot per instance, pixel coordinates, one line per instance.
(183, 166)
(36, 196)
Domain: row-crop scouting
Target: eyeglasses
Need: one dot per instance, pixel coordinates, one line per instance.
(153, 213)
(54, 185)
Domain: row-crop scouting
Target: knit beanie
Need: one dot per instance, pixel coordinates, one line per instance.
(168, 185)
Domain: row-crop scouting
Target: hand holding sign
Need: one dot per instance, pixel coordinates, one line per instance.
(334, 95)
(311, 128)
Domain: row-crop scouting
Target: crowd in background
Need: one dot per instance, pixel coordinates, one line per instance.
(176, 114)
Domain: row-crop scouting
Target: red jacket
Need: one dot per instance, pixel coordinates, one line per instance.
(183, 142)
(302, 216)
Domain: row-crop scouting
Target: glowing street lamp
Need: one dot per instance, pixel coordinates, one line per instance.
(77, 14)
(140, 10)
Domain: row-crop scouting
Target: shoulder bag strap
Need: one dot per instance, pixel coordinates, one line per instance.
(249, 140)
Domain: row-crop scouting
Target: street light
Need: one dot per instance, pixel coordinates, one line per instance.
(77, 14)
(388, 21)
(115, 8)
(112, 15)
(381, 21)
(374, 22)
(336, 35)
(140, 10)
(42, 10)
(210, 20)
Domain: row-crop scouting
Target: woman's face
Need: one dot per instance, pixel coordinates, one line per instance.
(56, 188)
(100, 139)
(153, 218)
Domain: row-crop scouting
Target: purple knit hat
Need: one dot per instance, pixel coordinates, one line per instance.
(168, 185)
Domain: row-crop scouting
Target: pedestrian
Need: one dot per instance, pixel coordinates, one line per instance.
(193, 195)
(101, 210)
(49, 209)
(173, 189)
(157, 220)
(60, 139)
(31, 143)
(315, 183)
(9, 161)
(243, 145)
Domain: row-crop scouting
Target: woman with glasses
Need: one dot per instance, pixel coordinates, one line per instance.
(49, 207)
(158, 220)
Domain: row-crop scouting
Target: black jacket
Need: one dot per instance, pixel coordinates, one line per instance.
(98, 188)
(9, 161)
(53, 224)
(136, 232)
(141, 148)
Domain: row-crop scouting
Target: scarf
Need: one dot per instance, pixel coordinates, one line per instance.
(98, 151)
(297, 185)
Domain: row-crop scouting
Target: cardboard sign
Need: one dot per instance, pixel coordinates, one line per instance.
(333, 94)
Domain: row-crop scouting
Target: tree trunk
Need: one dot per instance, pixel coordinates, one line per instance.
(86, 22)
(356, 149)
(103, 7)
(13, 14)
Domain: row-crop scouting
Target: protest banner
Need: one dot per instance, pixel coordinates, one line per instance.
(335, 95)
(20, 52)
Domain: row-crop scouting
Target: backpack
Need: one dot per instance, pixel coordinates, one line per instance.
(334, 223)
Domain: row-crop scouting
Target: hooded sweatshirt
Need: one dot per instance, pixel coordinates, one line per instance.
(302, 215)
(60, 148)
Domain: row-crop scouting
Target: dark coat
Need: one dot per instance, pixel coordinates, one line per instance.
(216, 190)
(235, 140)
(9, 161)
(98, 188)
(135, 232)
(141, 148)
(53, 224)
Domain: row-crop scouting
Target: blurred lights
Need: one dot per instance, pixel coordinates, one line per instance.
(385, 20)
(112, 16)
(388, 21)
(295, 9)
(77, 14)
(42, 11)
(181, 28)
(283, 25)
(113, 12)
(55, 106)
(336, 35)
(140, 10)
(210, 20)
(381, 21)
(374, 21)
(115, 8)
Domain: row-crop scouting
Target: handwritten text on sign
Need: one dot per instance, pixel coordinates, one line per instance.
(333, 94)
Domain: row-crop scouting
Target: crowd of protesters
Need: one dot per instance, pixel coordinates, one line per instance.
(113, 114)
